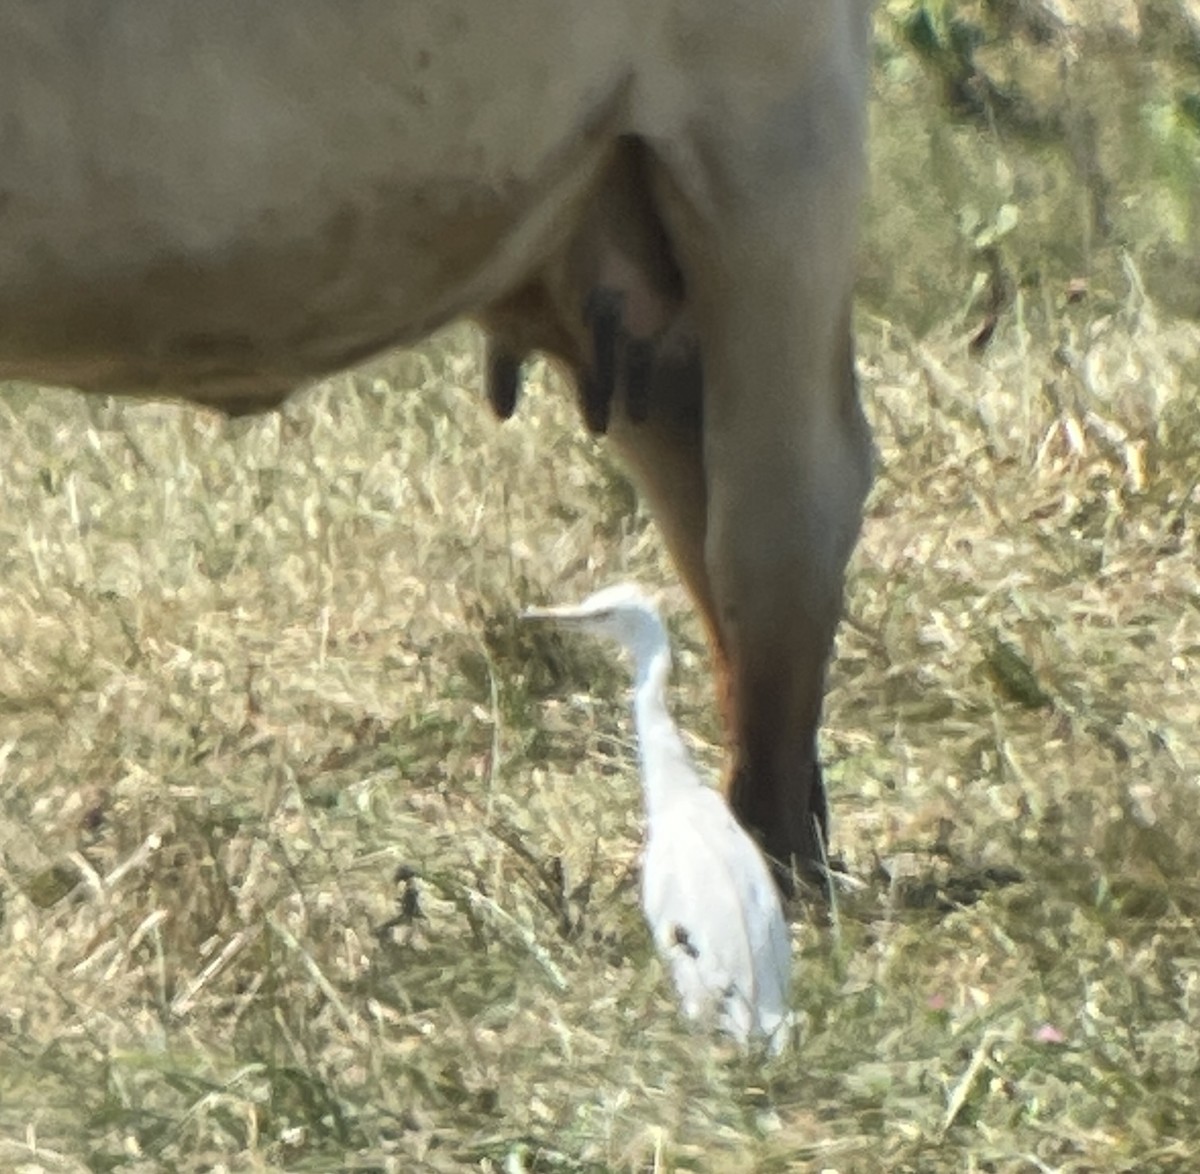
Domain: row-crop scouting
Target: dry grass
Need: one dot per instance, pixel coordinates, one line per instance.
(315, 859)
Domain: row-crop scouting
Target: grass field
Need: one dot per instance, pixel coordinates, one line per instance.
(313, 858)
(253, 672)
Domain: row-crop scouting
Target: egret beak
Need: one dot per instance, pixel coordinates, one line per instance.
(552, 613)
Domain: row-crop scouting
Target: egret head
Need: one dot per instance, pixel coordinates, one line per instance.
(622, 613)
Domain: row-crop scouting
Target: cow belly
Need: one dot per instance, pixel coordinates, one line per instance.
(201, 202)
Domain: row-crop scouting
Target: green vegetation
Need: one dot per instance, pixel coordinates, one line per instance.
(313, 858)
(1031, 145)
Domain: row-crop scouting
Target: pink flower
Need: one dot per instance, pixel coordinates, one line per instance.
(1049, 1034)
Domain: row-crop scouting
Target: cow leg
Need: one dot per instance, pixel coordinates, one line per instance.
(766, 238)
(660, 440)
(785, 480)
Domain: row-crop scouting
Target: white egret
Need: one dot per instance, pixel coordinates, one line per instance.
(707, 892)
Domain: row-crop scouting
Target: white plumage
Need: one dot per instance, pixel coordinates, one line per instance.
(707, 893)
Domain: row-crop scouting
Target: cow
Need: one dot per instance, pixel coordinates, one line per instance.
(222, 201)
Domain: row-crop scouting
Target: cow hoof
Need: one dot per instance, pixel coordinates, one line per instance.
(795, 839)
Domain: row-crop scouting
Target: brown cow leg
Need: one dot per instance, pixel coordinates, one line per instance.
(786, 454)
(786, 477)
(784, 512)
(660, 439)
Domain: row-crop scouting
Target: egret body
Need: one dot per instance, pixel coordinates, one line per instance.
(707, 892)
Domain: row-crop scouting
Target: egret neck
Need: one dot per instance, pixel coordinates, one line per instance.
(667, 770)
